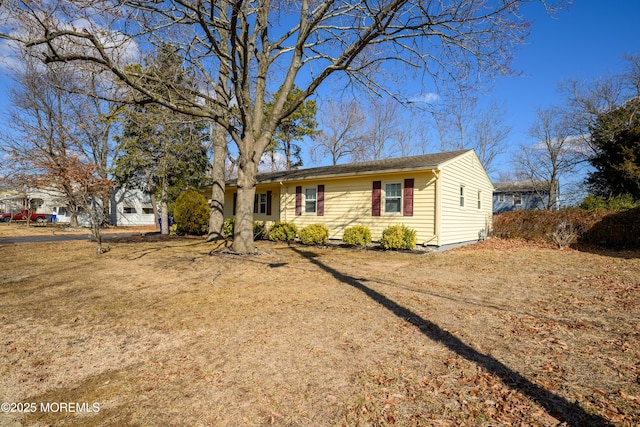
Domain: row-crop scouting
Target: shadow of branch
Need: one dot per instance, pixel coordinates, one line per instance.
(556, 406)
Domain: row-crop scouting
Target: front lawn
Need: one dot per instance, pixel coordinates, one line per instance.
(162, 333)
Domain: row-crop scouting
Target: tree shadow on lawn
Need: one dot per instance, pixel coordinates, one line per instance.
(556, 406)
(164, 243)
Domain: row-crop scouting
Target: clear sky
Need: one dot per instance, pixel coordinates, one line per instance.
(585, 41)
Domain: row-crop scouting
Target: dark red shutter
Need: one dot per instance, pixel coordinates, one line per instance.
(256, 203)
(235, 202)
(376, 196)
(320, 196)
(298, 200)
(269, 197)
(407, 206)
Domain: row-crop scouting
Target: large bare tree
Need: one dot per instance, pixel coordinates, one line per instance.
(359, 133)
(343, 131)
(383, 130)
(49, 138)
(553, 154)
(588, 100)
(39, 117)
(463, 124)
(96, 121)
(245, 51)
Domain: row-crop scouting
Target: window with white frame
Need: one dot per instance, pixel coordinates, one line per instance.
(310, 200)
(262, 208)
(129, 209)
(393, 197)
(517, 199)
(36, 204)
(501, 197)
(462, 196)
(62, 210)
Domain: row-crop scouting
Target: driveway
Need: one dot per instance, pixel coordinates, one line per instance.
(58, 238)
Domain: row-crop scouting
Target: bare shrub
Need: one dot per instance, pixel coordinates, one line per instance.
(564, 234)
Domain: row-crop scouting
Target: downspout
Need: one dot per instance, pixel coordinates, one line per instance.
(437, 208)
(283, 202)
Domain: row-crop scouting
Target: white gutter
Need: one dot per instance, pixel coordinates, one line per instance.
(437, 208)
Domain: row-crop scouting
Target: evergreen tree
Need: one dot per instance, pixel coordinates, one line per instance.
(616, 139)
(162, 152)
(302, 122)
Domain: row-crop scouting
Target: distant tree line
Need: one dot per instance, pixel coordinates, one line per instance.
(598, 127)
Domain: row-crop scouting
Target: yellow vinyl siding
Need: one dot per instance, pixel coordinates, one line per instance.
(228, 201)
(260, 189)
(347, 202)
(437, 216)
(463, 224)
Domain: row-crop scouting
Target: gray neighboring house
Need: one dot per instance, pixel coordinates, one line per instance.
(522, 195)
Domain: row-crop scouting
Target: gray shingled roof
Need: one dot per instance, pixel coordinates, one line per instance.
(425, 161)
(519, 186)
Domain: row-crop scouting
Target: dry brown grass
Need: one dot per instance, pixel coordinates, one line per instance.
(162, 333)
(21, 229)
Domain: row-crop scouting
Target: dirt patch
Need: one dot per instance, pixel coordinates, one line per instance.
(162, 333)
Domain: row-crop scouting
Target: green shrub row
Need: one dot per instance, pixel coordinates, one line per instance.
(357, 236)
(229, 225)
(283, 232)
(398, 237)
(393, 237)
(314, 234)
(191, 216)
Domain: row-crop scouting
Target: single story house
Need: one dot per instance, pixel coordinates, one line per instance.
(35, 200)
(131, 207)
(523, 195)
(445, 197)
(127, 206)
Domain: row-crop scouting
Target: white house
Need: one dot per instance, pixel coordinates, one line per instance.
(127, 206)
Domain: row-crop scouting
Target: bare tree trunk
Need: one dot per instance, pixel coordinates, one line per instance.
(272, 154)
(95, 210)
(553, 186)
(106, 217)
(164, 207)
(154, 206)
(287, 154)
(243, 231)
(73, 215)
(216, 216)
(95, 230)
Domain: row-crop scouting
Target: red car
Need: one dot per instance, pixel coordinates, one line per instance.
(35, 217)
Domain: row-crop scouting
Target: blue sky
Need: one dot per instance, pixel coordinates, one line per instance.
(585, 41)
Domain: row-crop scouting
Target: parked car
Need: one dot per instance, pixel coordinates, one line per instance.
(34, 217)
(5, 217)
